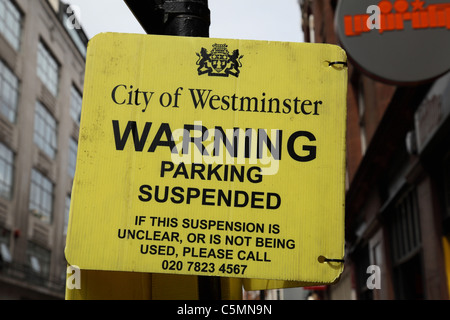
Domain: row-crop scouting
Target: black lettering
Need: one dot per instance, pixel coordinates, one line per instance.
(166, 166)
(232, 148)
(146, 194)
(206, 196)
(199, 171)
(235, 173)
(136, 97)
(192, 193)
(169, 142)
(199, 99)
(286, 106)
(130, 96)
(113, 94)
(306, 103)
(121, 141)
(157, 195)
(226, 199)
(256, 199)
(311, 149)
(277, 203)
(161, 99)
(248, 142)
(233, 107)
(144, 251)
(212, 171)
(296, 100)
(225, 102)
(147, 99)
(275, 151)
(198, 141)
(257, 177)
(248, 99)
(177, 192)
(278, 105)
(236, 199)
(176, 97)
(211, 101)
(316, 103)
(181, 169)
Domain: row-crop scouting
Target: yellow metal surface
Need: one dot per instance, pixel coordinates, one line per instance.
(117, 285)
(107, 285)
(215, 157)
(446, 248)
(260, 284)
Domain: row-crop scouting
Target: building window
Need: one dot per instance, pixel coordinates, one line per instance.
(9, 93)
(406, 248)
(73, 148)
(74, 29)
(10, 22)
(75, 105)
(41, 196)
(47, 69)
(6, 171)
(45, 130)
(5, 254)
(39, 261)
(66, 214)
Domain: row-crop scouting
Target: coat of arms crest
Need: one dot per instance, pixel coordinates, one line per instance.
(219, 62)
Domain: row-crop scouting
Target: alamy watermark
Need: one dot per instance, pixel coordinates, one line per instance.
(219, 146)
(73, 281)
(73, 278)
(73, 17)
(374, 21)
(374, 280)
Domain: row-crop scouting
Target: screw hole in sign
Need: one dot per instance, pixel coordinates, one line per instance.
(323, 259)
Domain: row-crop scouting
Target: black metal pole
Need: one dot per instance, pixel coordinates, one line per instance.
(189, 18)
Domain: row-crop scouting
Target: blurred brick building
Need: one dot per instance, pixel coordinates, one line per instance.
(398, 178)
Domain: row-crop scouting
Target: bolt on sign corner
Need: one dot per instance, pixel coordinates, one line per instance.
(211, 157)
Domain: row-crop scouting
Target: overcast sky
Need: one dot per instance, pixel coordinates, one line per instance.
(275, 20)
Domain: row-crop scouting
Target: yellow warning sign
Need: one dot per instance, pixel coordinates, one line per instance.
(211, 157)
